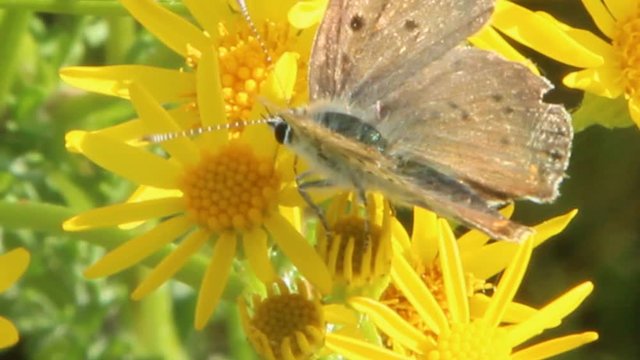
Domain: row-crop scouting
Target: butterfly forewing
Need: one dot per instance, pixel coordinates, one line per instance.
(479, 118)
(449, 128)
(365, 48)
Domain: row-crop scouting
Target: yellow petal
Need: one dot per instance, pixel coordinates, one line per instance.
(157, 119)
(138, 248)
(281, 82)
(509, 284)
(401, 238)
(414, 289)
(8, 333)
(260, 137)
(124, 213)
(164, 84)
(301, 254)
(391, 323)
(135, 164)
(215, 278)
(207, 13)
(455, 285)
(174, 31)
(555, 346)
(12, 265)
(536, 32)
(475, 239)
(493, 258)
(554, 312)
(340, 314)
(424, 238)
(256, 250)
(634, 110)
(305, 14)
(171, 264)
(621, 9)
(355, 349)
(603, 81)
(489, 39)
(515, 312)
(601, 17)
(210, 99)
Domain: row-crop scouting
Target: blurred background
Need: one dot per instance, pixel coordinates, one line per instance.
(63, 316)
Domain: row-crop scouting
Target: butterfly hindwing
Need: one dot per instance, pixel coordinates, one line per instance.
(480, 118)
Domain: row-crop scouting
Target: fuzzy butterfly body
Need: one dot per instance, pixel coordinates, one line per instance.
(400, 105)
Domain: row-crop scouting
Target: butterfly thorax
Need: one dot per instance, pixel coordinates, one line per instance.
(341, 145)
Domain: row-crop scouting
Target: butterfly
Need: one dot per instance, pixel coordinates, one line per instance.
(399, 104)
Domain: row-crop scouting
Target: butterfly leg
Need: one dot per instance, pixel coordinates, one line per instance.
(303, 185)
(362, 198)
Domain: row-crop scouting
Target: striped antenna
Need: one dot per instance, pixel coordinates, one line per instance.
(162, 137)
(252, 26)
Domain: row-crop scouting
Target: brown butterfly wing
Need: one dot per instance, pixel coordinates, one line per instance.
(366, 48)
(479, 118)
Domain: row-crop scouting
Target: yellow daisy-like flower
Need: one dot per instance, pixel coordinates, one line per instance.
(290, 322)
(286, 324)
(455, 333)
(218, 187)
(357, 250)
(242, 71)
(12, 265)
(610, 67)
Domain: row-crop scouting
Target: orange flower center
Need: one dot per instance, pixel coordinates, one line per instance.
(286, 325)
(232, 189)
(627, 43)
(244, 66)
(474, 341)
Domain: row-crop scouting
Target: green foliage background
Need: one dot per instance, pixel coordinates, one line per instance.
(63, 316)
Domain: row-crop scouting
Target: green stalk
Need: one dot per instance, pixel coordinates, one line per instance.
(81, 7)
(154, 327)
(49, 218)
(14, 26)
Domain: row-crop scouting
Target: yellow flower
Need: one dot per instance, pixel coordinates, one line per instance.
(610, 67)
(285, 324)
(359, 259)
(240, 73)
(290, 322)
(12, 265)
(456, 333)
(219, 187)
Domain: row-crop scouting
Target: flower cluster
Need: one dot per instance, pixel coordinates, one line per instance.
(357, 283)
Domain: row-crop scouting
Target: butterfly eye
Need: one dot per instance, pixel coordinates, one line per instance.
(281, 129)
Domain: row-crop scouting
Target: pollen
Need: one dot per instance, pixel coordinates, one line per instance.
(244, 65)
(286, 324)
(627, 43)
(232, 189)
(473, 341)
(432, 278)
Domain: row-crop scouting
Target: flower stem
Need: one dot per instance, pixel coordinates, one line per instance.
(48, 218)
(81, 7)
(13, 28)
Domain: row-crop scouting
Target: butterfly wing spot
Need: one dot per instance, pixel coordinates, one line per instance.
(356, 23)
(505, 141)
(410, 25)
(508, 110)
(497, 98)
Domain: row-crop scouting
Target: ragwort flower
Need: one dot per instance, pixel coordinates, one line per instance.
(242, 71)
(609, 67)
(12, 265)
(455, 332)
(217, 188)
